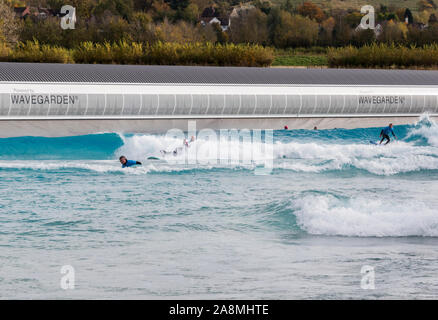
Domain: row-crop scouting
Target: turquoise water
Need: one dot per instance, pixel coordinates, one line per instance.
(332, 204)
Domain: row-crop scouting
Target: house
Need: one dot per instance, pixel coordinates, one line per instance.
(224, 22)
(37, 13)
(210, 15)
(22, 12)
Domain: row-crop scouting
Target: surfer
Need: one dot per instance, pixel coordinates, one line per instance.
(186, 144)
(384, 134)
(128, 163)
(192, 139)
(175, 152)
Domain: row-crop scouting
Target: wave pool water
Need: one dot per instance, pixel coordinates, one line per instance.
(332, 204)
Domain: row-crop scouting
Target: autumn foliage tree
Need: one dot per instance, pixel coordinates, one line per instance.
(426, 5)
(312, 11)
(250, 27)
(287, 30)
(275, 23)
(9, 26)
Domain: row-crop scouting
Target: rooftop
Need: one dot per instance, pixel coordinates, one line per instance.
(76, 73)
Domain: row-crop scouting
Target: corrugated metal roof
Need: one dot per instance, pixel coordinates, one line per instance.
(48, 72)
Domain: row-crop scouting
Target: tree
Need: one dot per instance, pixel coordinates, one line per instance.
(326, 33)
(179, 7)
(142, 28)
(400, 12)
(422, 17)
(190, 13)
(47, 31)
(264, 5)
(55, 4)
(430, 35)
(409, 16)
(343, 31)
(180, 32)
(122, 8)
(160, 10)
(312, 11)
(114, 28)
(288, 30)
(426, 5)
(362, 37)
(222, 37)
(287, 6)
(250, 27)
(10, 27)
(178, 4)
(394, 32)
(353, 19)
(432, 19)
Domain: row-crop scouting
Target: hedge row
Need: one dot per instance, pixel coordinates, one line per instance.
(137, 53)
(384, 56)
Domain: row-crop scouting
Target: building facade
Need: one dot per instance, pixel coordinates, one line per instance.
(94, 98)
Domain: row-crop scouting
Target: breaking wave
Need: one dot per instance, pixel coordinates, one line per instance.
(295, 150)
(364, 217)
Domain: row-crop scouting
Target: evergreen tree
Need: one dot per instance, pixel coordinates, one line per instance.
(178, 5)
(408, 14)
(288, 6)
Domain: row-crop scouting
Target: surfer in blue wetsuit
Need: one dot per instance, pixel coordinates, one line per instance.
(384, 134)
(128, 163)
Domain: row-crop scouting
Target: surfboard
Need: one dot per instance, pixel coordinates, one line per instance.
(374, 143)
(153, 158)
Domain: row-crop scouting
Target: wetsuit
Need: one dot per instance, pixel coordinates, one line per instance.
(385, 134)
(130, 163)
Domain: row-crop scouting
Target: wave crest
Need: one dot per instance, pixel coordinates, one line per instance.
(364, 217)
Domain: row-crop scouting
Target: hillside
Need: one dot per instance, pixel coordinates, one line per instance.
(221, 32)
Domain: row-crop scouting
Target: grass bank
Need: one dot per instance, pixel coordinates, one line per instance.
(301, 57)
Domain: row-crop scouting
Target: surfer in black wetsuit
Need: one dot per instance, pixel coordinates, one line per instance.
(384, 134)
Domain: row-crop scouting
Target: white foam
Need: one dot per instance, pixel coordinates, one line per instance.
(397, 157)
(98, 166)
(103, 166)
(327, 215)
(427, 129)
(204, 151)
